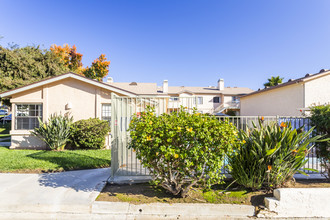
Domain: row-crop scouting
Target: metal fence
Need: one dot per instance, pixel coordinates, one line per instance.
(248, 122)
(124, 161)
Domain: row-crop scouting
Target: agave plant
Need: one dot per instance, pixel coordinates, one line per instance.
(56, 132)
(270, 155)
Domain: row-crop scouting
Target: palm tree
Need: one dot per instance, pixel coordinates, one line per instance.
(274, 81)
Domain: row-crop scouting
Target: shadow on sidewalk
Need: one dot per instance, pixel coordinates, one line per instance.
(79, 180)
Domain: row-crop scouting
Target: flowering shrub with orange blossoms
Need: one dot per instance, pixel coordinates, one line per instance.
(270, 155)
(182, 149)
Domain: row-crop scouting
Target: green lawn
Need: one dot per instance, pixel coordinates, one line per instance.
(31, 161)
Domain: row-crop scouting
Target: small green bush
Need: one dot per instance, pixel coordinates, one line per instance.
(320, 118)
(56, 132)
(182, 149)
(89, 133)
(270, 155)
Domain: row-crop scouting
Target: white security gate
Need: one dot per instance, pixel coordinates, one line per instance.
(123, 159)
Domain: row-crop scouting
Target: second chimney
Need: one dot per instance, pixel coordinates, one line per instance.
(221, 84)
(165, 86)
(110, 80)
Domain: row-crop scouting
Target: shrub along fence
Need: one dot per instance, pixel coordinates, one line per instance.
(248, 122)
(123, 159)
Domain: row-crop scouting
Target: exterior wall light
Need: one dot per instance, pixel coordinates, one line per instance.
(68, 106)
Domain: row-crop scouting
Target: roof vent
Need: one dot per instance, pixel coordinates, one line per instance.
(133, 84)
(323, 70)
(259, 89)
(290, 80)
(308, 74)
(110, 80)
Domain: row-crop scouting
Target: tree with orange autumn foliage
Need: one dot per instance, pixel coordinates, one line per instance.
(69, 56)
(72, 59)
(99, 68)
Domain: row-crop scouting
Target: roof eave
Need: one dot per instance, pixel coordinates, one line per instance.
(65, 76)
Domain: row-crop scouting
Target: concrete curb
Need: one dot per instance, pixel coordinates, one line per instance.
(313, 202)
(175, 210)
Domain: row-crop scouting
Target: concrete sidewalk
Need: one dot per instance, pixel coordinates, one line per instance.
(67, 192)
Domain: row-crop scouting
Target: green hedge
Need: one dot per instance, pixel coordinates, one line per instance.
(89, 133)
(320, 118)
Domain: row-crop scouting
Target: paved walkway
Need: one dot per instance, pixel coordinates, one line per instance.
(66, 192)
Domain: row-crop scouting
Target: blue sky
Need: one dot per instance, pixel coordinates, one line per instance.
(188, 42)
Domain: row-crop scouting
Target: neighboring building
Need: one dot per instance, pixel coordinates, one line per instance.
(290, 98)
(212, 99)
(85, 98)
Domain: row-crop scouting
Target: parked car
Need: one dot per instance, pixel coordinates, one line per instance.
(6, 119)
(3, 112)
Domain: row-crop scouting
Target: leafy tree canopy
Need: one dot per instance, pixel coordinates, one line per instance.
(72, 59)
(273, 81)
(22, 66)
(25, 65)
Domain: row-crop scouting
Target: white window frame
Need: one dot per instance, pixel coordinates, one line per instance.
(215, 98)
(106, 113)
(235, 99)
(32, 121)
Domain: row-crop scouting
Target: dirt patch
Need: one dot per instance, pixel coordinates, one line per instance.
(311, 183)
(148, 193)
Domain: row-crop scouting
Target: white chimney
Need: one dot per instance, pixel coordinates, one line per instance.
(221, 84)
(110, 80)
(165, 86)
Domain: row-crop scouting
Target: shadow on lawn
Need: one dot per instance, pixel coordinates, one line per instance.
(79, 180)
(68, 160)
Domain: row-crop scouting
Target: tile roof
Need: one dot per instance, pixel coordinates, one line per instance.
(138, 88)
(152, 89)
(209, 90)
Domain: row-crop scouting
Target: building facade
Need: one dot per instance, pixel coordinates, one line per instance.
(288, 99)
(83, 98)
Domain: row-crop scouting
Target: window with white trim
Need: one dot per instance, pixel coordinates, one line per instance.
(26, 116)
(174, 98)
(235, 99)
(216, 99)
(106, 112)
(199, 100)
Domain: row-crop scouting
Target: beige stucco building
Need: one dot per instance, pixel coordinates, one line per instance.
(288, 99)
(211, 100)
(69, 93)
(85, 98)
